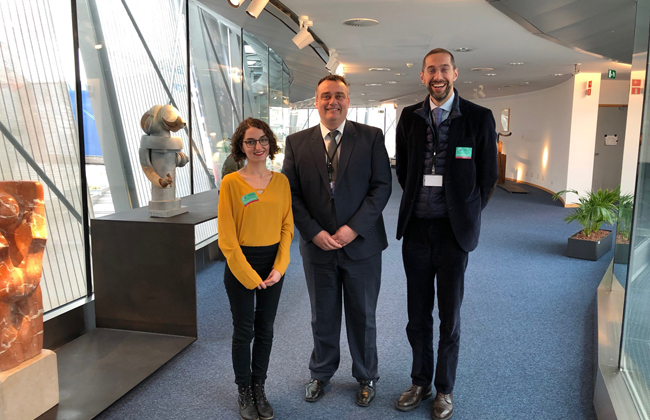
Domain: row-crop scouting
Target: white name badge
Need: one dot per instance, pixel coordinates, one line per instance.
(432, 181)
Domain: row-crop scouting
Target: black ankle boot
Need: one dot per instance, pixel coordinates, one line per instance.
(263, 406)
(247, 409)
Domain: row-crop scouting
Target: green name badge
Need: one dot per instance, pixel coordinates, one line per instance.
(249, 198)
(463, 153)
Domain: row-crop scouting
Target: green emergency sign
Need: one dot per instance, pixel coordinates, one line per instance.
(611, 74)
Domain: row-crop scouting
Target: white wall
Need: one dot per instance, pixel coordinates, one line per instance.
(614, 92)
(632, 133)
(539, 121)
(584, 119)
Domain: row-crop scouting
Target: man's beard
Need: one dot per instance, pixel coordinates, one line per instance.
(439, 97)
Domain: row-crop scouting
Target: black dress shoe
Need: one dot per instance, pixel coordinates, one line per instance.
(315, 390)
(442, 407)
(412, 397)
(366, 393)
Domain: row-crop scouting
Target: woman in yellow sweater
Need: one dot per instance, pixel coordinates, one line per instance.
(255, 230)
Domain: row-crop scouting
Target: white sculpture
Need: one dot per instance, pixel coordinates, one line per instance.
(160, 154)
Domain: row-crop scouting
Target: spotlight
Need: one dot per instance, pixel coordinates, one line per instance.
(480, 91)
(333, 61)
(235, 3)
(475, 94)
(303, 37)
(255, 8)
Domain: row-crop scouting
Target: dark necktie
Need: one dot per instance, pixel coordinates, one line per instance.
(437, 115)
(331, 152)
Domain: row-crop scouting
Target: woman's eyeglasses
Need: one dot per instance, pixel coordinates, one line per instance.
(250, 143)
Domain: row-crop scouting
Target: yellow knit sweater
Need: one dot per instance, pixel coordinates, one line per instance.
(250, 218)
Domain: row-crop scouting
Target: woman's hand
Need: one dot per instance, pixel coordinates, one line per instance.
(274, 277)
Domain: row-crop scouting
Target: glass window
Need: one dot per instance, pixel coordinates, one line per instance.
(38, 139)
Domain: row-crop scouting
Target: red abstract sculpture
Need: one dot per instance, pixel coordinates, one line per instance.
(23, 235)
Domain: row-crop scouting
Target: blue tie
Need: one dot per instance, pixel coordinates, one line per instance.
(437, 115)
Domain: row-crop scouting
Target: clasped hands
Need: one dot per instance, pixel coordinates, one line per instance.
(341, 238)
(274, 277)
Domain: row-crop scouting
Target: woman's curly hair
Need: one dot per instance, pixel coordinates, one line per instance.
(237, 141)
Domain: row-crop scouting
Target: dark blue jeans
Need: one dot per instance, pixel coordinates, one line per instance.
(253, 315)
(432, 257)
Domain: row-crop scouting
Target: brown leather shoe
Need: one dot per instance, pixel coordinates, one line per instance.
(315, 390)
(412, 397)
(442, 407)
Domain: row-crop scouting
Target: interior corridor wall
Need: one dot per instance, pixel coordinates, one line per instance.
(540, 123)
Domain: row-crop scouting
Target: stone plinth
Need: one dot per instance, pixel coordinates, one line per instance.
(29, 389)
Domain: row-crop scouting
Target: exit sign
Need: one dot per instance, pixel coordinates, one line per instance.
(611, 74)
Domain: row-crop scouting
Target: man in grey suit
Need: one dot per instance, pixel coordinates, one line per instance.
(340, 183)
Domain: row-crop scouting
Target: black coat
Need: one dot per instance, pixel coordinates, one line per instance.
(468, 183)
(363, 186)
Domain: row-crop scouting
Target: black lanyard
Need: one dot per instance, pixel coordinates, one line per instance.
(330, 159)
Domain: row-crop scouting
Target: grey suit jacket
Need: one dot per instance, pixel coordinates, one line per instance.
(363, 186)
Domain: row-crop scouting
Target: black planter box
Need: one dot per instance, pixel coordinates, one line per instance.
(589, 250)
(621, 253)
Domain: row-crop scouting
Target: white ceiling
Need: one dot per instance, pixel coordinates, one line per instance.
(408, 29)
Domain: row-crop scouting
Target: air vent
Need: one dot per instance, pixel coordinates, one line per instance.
(360, 22)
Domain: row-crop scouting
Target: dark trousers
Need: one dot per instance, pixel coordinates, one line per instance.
(430, 251)
(357, 282)
(253, 314)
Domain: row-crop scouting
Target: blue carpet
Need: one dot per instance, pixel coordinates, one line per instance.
(527, 344)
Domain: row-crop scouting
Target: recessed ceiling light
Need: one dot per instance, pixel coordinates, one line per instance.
(98, 46)
(558, 74)
(409, 65)
(524, 83)
(373, 84)
(462, 49)
(363, 94)
(400, 74)
(391, 82)
(360, 22)
(372, 100)
(468, 82)
(517, 64)
(482, 69)
(490, 74)
(378, 69)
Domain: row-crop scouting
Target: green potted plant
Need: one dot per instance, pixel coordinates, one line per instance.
(623, 228)
(594, 209)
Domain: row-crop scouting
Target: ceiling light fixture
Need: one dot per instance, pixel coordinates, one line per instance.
(333, 62)
(340, 70)
(255, 8)
(400, 74)
(409, 65)
(478, 93)
(468, 82)
(482, 69)
(463, 49)
(373, 84)
(235, 3)
(558, 74)
(391, 82)
(304, 37)
(378, 69)
(516, 64)
(490, 74)
(524, 83)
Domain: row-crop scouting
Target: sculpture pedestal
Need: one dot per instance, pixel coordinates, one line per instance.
(29, 389)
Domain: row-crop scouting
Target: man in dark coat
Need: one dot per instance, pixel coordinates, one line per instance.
(340, 180)
(446, 163)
